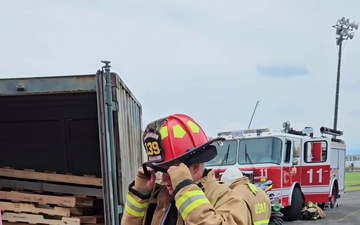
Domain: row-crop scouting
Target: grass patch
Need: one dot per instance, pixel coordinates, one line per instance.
(352, 181)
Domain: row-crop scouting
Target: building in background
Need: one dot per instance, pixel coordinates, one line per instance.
(352, 161)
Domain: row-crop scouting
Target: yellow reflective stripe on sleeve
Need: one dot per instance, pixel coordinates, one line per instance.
(189, 201)
(135, 208)
(130, 199)
(133, 212)
(262, 222)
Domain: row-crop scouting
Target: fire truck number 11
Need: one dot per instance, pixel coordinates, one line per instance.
(264, 172)
(310, 172)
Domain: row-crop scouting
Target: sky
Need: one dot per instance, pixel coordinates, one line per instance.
(212, 60)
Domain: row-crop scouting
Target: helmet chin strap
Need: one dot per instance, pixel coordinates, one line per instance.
(151, 165)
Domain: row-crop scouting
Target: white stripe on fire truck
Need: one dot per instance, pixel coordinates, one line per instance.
(324, 190)
(305, 190)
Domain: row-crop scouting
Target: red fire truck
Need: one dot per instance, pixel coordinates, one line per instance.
(302, 167)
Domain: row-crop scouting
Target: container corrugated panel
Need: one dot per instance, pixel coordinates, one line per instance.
(129, 136)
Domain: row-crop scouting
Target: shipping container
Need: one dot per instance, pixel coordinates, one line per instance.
(71, 143)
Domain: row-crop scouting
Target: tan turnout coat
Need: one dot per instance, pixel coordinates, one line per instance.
(205, 203)
(256, 200)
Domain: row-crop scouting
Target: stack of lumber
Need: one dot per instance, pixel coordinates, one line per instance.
(30, 197)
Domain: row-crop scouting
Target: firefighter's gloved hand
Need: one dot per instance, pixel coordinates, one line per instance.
(143, 184)
(178, 174)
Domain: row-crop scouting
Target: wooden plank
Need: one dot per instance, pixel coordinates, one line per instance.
(68, 189)
(35, 219)
(31, 208)
(54, 177)
(67, 201)
(82, 201)
(56, 188)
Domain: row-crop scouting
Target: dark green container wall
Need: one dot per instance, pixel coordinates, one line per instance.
(52, 132)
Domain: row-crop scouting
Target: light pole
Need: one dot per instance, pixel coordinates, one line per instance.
(343, 32)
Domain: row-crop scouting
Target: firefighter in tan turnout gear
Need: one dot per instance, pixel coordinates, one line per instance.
(178, 147)
(256, 199)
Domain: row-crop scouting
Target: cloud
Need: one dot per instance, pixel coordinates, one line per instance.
(191, 57)
(282, 70)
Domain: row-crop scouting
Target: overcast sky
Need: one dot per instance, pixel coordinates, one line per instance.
(210, 59)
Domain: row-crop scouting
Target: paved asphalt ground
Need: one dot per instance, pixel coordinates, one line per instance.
(347, 213)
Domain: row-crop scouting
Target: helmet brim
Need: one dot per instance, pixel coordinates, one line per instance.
(200, 154)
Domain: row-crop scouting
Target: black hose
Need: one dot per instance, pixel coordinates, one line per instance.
(276, 218)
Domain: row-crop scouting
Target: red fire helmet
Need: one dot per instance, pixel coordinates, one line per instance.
(177, 139)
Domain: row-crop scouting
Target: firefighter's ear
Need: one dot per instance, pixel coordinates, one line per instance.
(198, 167)
(195, 168)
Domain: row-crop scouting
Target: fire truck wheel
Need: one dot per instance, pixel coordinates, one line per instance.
(293, 212)
(333, 198)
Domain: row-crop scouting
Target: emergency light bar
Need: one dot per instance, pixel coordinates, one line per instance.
(225, 133)
(255, 131)
(233, 134)
(241, 133)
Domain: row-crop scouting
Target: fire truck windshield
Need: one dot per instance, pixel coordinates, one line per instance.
(227, 153)
(248, 151)
(260, 150)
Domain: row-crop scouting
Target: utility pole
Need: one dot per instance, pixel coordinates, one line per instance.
(257, 103)
(343, 26)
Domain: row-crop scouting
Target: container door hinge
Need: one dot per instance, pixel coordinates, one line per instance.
(115, 107)
(120, 209)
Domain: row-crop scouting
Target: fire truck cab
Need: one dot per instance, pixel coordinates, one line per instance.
(302, 167)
